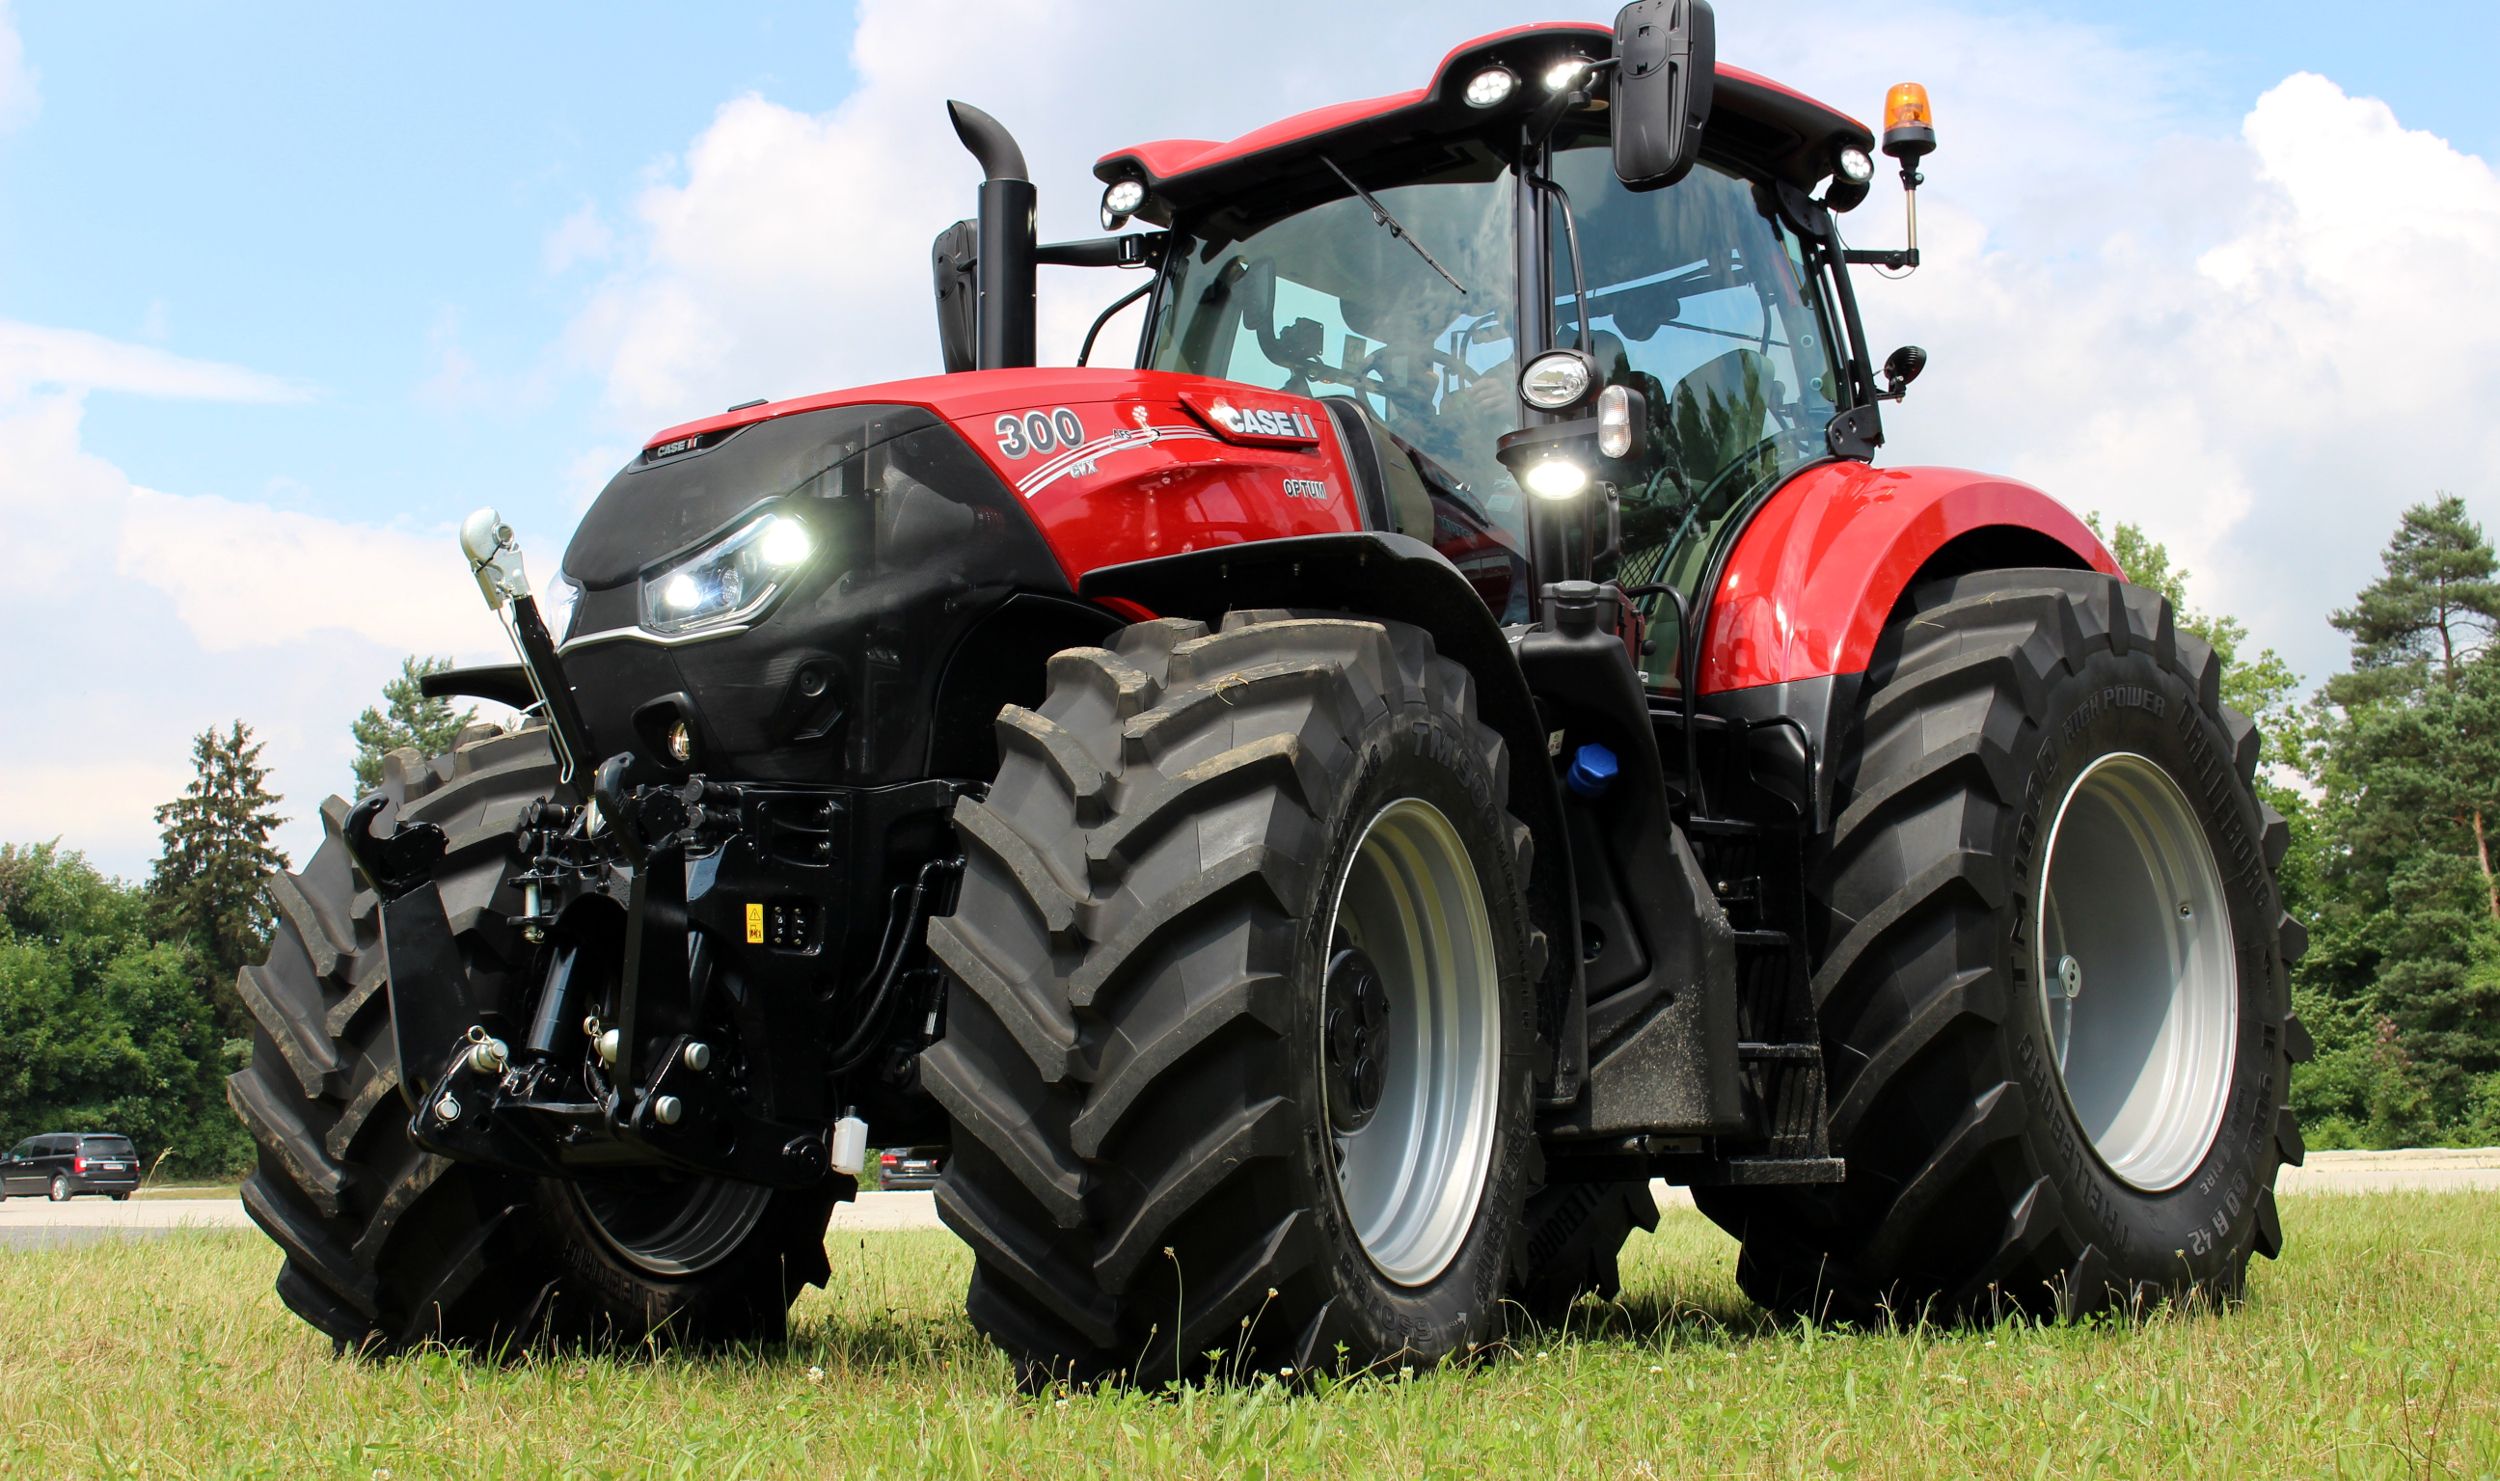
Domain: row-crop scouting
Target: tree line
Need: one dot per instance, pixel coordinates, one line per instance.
(121, 1005)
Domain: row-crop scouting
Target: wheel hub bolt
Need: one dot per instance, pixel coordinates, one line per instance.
(2070, 976)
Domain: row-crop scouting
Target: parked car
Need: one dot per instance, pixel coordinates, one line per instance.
(67, 1163)
(900, 1168)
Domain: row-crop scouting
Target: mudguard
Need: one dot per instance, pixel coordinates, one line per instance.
(1818, 570)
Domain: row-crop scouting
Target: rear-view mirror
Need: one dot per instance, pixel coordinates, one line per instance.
(1666, 61)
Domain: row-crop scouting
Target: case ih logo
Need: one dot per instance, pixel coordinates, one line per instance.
(1254, 422)
(1237, 420)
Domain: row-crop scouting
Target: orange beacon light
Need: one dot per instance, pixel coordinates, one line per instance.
(1909, 126)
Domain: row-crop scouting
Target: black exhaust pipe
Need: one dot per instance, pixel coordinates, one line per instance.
(1004, 262)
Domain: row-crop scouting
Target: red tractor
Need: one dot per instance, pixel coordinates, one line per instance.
(1316, 822)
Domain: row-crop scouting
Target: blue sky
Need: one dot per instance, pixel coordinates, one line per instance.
(314, 281)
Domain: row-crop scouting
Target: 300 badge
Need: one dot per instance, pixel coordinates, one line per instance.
(1038, 432)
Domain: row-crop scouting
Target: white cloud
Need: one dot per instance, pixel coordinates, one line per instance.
(142, 618)
(33, 356)
(18, 99)
(2260, 347)
(245, 576)
(785, 252)
(582, 237)
(104, 809)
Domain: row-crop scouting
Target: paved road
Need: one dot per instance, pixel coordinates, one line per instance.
(35, 1223)
(29, 1223)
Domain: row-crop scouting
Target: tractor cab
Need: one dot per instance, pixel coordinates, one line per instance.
(1468, 281)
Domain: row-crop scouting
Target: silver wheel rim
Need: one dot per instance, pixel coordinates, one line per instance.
(1412, 1175)
(679, 1229)
(2138, 980)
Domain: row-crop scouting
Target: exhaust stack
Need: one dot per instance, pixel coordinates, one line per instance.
(1004, 253)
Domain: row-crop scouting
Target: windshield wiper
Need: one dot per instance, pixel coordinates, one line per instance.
(1380, 213)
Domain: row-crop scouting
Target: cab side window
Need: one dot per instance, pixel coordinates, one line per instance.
(1700, 301)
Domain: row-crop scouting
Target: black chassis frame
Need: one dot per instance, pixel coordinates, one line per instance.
(1672, 1003)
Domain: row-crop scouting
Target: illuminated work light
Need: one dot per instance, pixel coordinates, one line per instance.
(1556, 478)
(1490, 87)
(1120, 201)
(1564, 75)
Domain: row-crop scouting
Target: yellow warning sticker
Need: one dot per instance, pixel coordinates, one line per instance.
(755, 924)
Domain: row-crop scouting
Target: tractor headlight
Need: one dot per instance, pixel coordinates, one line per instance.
(730, 580)
(1557, 379)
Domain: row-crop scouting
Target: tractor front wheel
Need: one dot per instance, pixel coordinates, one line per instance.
(389, 1246)
(2051, 970)
(1238, 1040)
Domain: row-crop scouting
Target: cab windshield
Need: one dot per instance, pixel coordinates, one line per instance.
(1326, 302)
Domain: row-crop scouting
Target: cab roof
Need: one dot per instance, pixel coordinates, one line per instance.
(1793, 135)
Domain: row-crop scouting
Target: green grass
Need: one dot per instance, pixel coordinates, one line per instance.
(2369, 1351)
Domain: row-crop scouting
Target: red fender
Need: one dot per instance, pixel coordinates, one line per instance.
(1815, 574)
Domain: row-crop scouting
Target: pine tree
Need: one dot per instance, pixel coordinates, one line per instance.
(208, 884)
(2436, 607)
(2417, 631)
(408, 717)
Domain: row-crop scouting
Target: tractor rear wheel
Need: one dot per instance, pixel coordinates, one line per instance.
(2051, 972)
(1238, 1042)
(387, 1245)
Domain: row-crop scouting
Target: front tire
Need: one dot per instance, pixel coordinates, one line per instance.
(60, 1189)
(389, 1246)
(2052, 974)
(1238, 1044)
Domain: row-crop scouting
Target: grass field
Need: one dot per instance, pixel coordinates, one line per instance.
(2370, 1350)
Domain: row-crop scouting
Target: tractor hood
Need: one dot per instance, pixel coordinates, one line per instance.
(943, 525)
(1109, 466)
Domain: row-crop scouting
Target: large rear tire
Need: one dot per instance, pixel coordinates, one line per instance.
(388, 1246)
(1238, 1045)
(2051, 972)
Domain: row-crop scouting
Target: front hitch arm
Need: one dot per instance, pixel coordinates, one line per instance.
(433, 1003)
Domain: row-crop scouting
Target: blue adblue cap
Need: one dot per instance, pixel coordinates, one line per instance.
(1592, 771)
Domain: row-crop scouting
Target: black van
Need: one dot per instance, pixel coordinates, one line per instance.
(65, 1164)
